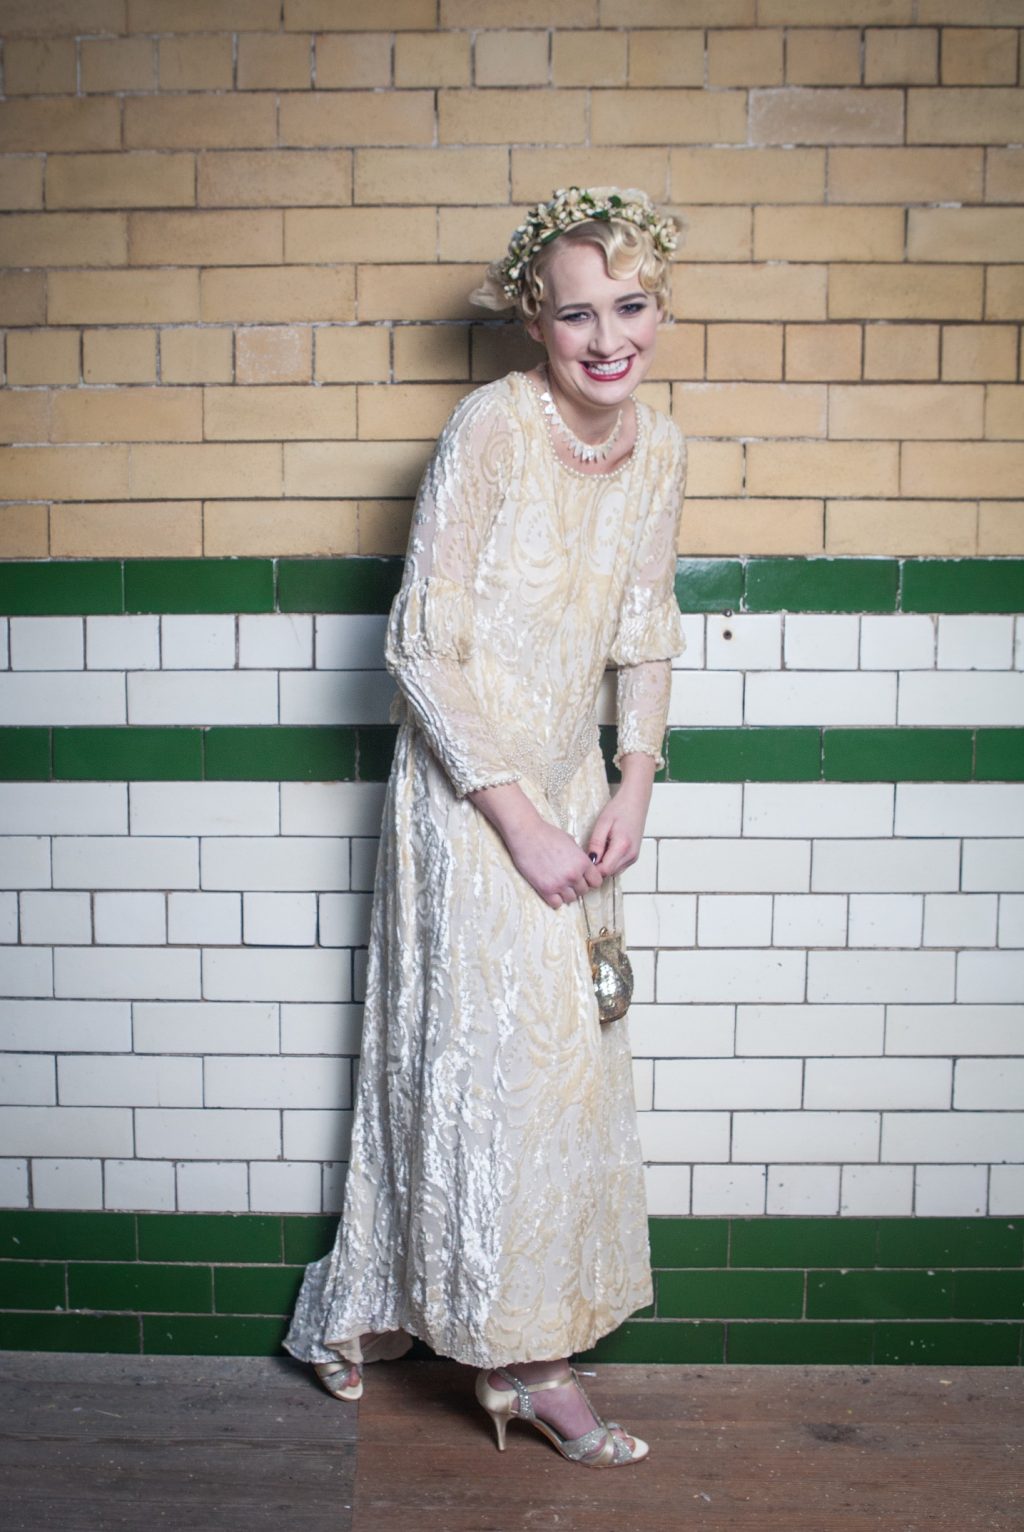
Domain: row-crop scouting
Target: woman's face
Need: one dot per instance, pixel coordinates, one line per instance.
(599, 331)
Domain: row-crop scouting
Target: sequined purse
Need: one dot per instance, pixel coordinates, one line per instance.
(610, 967)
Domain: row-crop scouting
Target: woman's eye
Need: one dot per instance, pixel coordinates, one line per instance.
(637, 306)
(575, 317)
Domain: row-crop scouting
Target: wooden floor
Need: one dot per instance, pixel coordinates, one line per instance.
(90, 1443)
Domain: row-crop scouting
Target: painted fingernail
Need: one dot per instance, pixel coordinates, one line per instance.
(593, 856)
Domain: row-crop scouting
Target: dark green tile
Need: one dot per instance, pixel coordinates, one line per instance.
(744, 755)
(198, 585)
(802, 1242)
(988, 1295)
(879, 1294)
(307, 1239)
(69, 1332)
(209, 1237)
(375, 747)
(140, 1287)
(709, 585)
(957, 1345)
(689, 1241)
(28, 1235)
(640, 1340)
(950, 1242)
(729, 1294)
(963, 585)
(221, 1335)
(49, 589)
(999, 755)
(32, 1285)
(338, 585)
(128, 755)
(898, 755)
(608, 736)
(822, 585)
(24, 755)
(256, 1289)
(799, 1343)
(282, 753)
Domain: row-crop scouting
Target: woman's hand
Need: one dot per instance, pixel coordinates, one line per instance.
(619, 828)
(552, 863)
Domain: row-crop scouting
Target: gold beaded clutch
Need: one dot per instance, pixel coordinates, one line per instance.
(610, 967)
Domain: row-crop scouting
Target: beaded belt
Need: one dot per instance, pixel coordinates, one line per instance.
(525, 753)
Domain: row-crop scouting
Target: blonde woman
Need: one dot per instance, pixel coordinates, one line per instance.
(494, 1205)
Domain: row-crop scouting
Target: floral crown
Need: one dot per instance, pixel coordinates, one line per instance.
(547, 220)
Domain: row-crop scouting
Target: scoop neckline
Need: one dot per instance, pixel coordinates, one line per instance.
(576, 473)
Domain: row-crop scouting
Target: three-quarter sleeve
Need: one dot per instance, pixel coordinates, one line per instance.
(650, 632)
(430, 633)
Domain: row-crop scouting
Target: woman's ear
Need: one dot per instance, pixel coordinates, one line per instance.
(533, 329)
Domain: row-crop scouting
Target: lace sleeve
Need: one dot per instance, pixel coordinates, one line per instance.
(430, 629)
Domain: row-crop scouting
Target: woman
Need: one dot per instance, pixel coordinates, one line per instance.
(495, 1203)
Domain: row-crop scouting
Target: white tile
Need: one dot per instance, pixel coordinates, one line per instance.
(364, 854)
(660, 920)
(295, 863)
(744, 642)
(122, 643)
(275, 1187)
(821, 641)
(706, 698)
(805, 1136)
(692, 657)
(208, 920)
(802, 1190)
(734, 865)
(682, 1031)
(14, 1183)
(184, 1133)
(731, 974)
(960, 808)
(131, 920)
(350, 642)
(336, 696)
(810, 697)
(809, 920)
(959, 920)
(641, 878)
(877, 1191)
(899, 642)
(52, 918)
(853, 809)
(66, 1130)
(734, 920)
(25, 862)
(275, 641)
(79, 1026)
(996, 865)
(204, 642)
(277, 1082)
(886, 920)
(885, 866)
(643, 1084)
(131, 1081)
(269, 973)
(316, 1135)
(988, 1084)
(334, 1029)
(686, 1085)
(332, 1181)
(344, 920)
(1011, 920)
(990, 976)
(720, 1189)
(28, 1079)
(220, 697)
(668, 1190)
(950, 697)
(8, 917)
(975, 642)
(61, 697)
(213, 1188)
(704, 809)
(945, 1138)
(205, 1027)
(684, 1137)
(47, 643)
(951, 1191)
(56, 808)
(954, 1029)
(125, 862)
(875, 975)
(26, 972)
(67, 1183)
(279, 920)
(1006, 1191)
(130, 973)
(1018, 646)
(137, 1186)
(331, 808)
(204, 808)
(806, 1030)
(877, 1084)
(5, 647)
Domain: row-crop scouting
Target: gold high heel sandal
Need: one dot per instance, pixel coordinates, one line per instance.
(388, 1346)
(596, 1448)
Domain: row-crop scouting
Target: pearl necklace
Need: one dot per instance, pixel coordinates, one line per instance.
(584, 451)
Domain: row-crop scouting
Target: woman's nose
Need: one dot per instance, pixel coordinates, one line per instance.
(605, 337)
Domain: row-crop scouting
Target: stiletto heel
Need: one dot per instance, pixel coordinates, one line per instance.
(596, 1448)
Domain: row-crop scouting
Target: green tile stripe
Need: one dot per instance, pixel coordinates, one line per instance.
(367, 584)
(362, 753)
(847, 1290)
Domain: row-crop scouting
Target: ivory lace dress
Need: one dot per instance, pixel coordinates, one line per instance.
(495, 1203)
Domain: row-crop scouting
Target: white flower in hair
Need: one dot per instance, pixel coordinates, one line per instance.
(574, 205)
